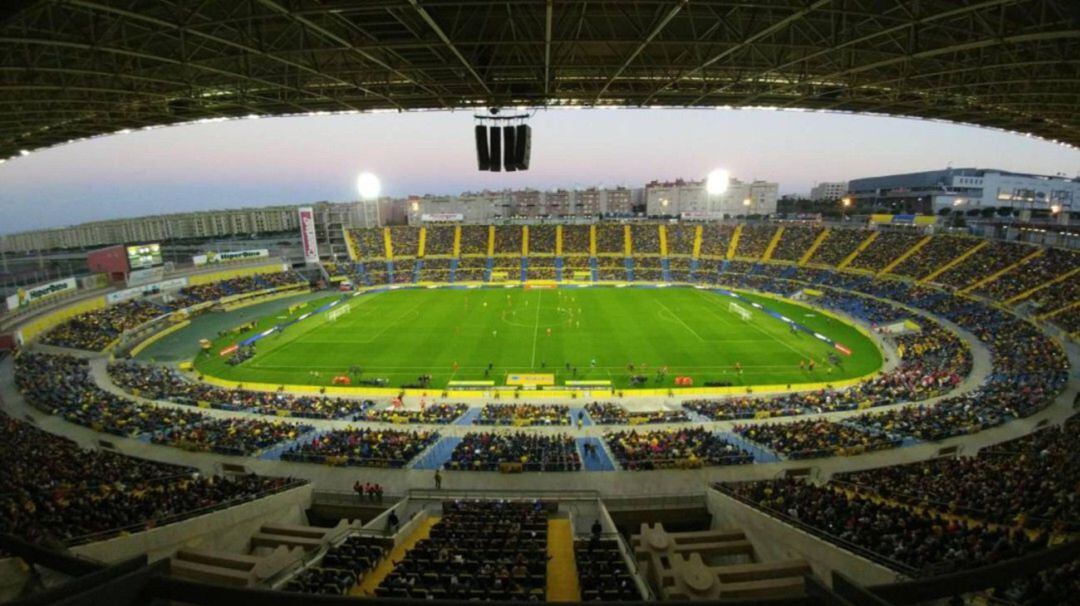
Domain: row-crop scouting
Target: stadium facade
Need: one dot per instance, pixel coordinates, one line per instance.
(966, 189)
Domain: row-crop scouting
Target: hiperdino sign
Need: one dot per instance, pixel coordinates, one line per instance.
(27, 296)
(235, 255)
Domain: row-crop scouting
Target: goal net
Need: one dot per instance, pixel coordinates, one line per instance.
(337, 312)
(740, 311)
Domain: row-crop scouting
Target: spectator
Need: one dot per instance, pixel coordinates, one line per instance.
(673, 448)
(534, 452)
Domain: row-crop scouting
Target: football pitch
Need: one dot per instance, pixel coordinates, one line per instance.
(612, 334)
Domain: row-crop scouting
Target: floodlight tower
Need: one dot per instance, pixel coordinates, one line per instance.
(368, 187)
(716, 184)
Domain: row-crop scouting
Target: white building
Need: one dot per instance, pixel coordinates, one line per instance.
(691, 197)
(967, 189)
(829, 190)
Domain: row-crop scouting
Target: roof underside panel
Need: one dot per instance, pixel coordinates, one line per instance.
(76, 68)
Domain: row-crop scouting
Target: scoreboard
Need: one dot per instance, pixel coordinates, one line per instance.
(143, 256)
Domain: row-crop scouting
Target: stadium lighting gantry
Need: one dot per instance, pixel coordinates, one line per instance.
(717, 183)
(368, 186)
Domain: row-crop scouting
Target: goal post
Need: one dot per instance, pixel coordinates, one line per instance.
(740, 311)
(337, 312)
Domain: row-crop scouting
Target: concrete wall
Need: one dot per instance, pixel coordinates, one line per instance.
(774, 540)
(226, 530)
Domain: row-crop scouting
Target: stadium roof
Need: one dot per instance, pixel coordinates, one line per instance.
(77, 68)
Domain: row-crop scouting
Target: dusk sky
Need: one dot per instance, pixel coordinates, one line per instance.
(307, 159)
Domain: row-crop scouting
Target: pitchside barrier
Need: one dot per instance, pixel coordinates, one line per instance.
(567, 391)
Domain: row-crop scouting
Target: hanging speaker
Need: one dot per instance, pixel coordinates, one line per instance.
(510, 162)
(483, 158)
(495, 147)
(523, 146)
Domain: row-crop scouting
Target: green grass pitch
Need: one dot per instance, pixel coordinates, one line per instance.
(454, 334)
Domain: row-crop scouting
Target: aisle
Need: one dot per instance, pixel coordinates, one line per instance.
(366, 587)
(562, 578)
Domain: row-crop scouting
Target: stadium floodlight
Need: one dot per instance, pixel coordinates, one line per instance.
(717, 183)
(1055, 209)
(368, 186)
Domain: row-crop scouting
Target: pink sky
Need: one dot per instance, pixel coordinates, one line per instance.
(306, 159)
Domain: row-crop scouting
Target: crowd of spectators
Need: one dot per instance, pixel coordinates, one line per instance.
(934, 255)
(523, 415)
(471, 270)
(55, 493)
(645, 238)
(236, 437)
(212, 291)
(362, 447)
(375, 272)
(610, 239)
(508, 240)
(680, 239)
(534, 452)
(815, 438)
(439, 240)
(1059, 585)
(435, 270)
(609, 413)
(1051, 264)
(1068, 320)
(901, 537)
(575, 240)
(95, 330)
(575, 263)
(478, 550)
(163, 383)
(611, 269)
(685, 447)
(342, 269)
(837, 246)
(474, 240)
(648, 269)
(1058, 296)
(405, 241)
(715, 238)
(932, 363)
(1031, 481)
(340, 569)
(602, 571)
(679, 268)
(61, 385)
(541, 268)
(404, 270)
(430, 414)
(871, 311)
(369, 242)
(994, 257)
(795, 241)
(542, 239)
(888, 247)
(754, 240)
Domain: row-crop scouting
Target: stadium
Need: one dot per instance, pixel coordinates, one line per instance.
(740, 405)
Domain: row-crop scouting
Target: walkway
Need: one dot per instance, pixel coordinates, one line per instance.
(562, 578)
(367, 585)
(761, 454)
(437, 454)
(601, 461)
(274, 452)
(469, 416)
(586, 420)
